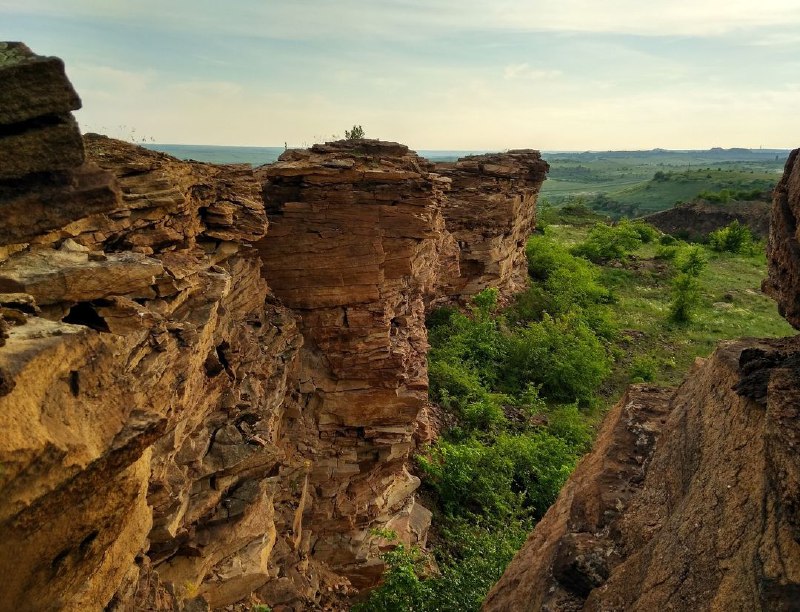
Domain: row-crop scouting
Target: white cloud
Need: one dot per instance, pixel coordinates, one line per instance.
(524, 71)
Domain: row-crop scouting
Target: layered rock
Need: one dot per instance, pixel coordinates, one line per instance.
(490, 211)
(689, 500)
(145, 374)
(356, 245)
(196, 407)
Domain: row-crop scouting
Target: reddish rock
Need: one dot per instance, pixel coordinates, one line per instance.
(355, 244)
(491, 211)
(167, 443)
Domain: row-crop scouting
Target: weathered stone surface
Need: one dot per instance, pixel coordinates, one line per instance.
(177, 433)
(48, 144)
(355, 247)
(708, 520)
(33, 86)
(184, 388)
(490, 210)
(783, 247)
(35, 205)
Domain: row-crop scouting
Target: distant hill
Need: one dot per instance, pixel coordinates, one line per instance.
(696, 220)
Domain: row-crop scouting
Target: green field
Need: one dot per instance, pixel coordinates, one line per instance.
(633, 184)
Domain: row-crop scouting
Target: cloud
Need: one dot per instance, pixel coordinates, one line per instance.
(411, 19)
(524, 71)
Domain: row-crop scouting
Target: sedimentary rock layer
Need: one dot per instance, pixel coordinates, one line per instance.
(490, 210)
(356, 244)
(696, 220)
(145, 377)
(177, 432)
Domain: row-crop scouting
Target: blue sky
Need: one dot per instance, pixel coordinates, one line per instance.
(435, 74)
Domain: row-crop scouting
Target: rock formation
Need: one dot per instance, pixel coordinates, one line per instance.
(490, 211)
(783, 247)
(690, 499)
(199, 403)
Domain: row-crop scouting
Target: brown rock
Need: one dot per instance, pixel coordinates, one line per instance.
(783, 248)
(713, 525)
(167, 443)
(33, 86)
(490, 210)
(696, 220)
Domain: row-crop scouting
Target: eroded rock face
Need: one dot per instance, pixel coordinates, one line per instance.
(696, 220)
(356, 243)
(147, 372)
(783, 247)
(705, 520)
(197, 405)
(490, 211)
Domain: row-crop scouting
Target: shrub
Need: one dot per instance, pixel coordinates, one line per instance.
(735, 238)
(685, 298)
(356, 133)
(606, 242)
(545, 255)
(691, 261)
(647, 233)
(515, 476)
(562, 355)
(643, 369)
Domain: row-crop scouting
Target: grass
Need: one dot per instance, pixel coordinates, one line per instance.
(732, 306)
(638, 184)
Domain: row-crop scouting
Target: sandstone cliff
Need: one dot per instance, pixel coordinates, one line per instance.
(203, 397)
(689, 500)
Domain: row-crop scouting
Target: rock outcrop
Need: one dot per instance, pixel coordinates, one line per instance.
(356, 243)
(490, 211)
(783, 247)
(690, 498)
(204, 399)
(363, 235)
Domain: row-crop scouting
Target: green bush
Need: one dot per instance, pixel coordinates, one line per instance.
(691, 261)
(606, 242)
(515, 476)
(644, 369)
(647, 233)
(735, 238)
(562, 355)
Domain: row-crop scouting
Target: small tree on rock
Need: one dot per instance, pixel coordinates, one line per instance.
(356, 133)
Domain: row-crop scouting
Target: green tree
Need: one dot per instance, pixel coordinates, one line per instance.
(356, 133)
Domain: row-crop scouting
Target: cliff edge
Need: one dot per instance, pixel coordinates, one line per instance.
(212, 377)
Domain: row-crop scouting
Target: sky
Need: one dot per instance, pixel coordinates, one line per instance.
(433, 74)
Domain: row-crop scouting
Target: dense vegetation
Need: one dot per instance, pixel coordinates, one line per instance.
(523, 385)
